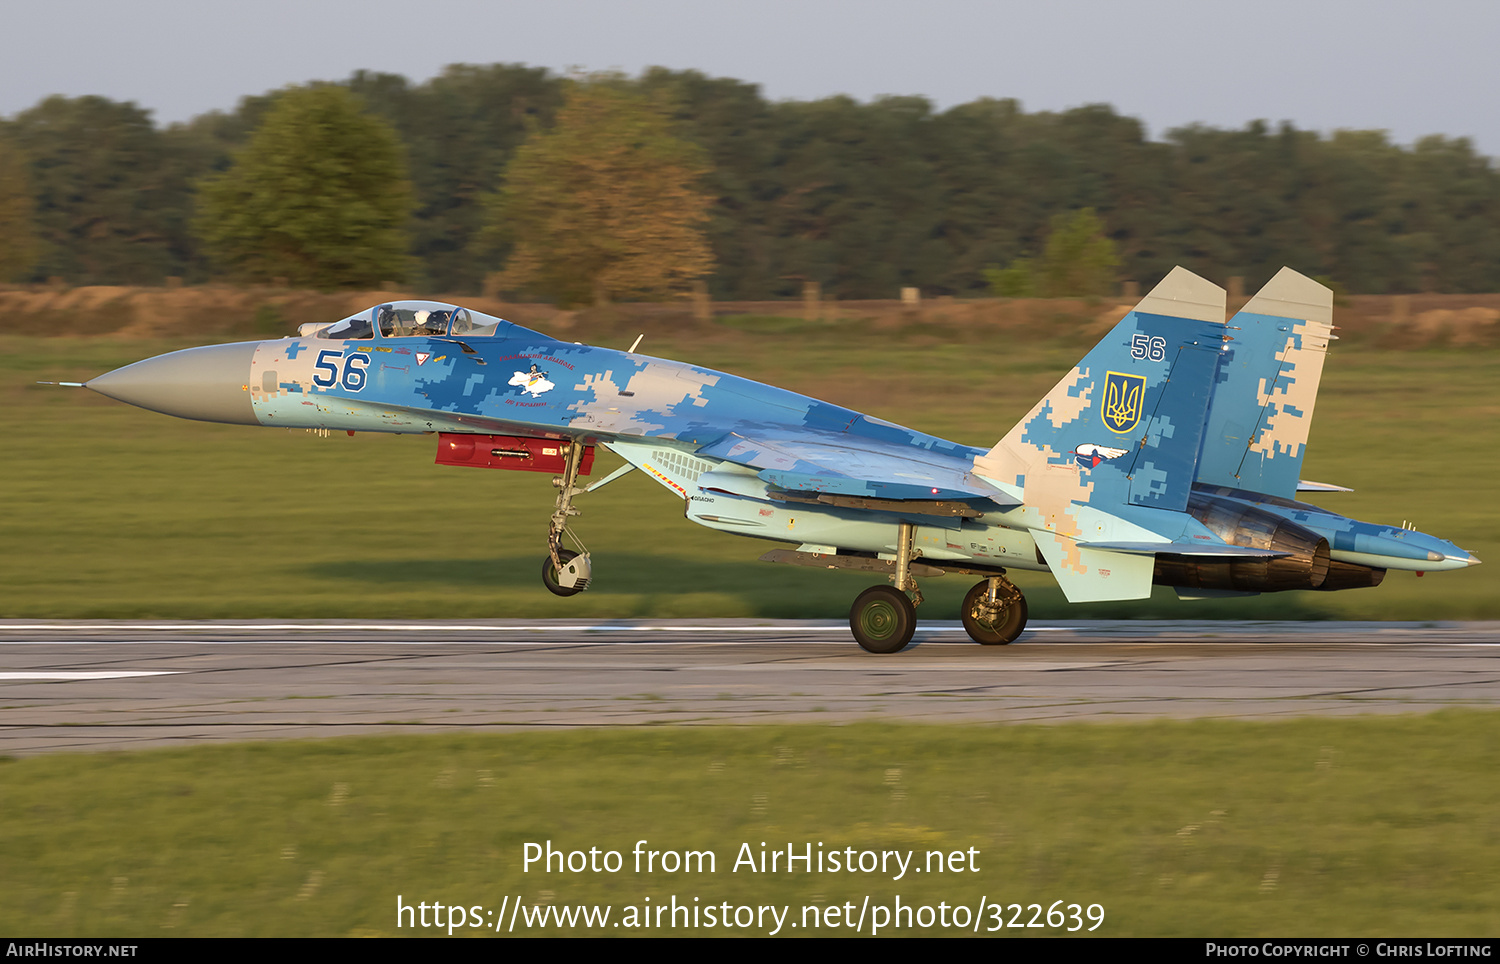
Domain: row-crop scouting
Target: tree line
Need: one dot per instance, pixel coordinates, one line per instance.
(862, 198)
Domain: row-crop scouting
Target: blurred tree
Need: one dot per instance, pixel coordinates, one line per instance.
(1016, 281)
(734, 124)
(861, 197)
(111, 200)
(604, 206)
(18, 241)
(1450, 216)
(460, 129)
(318, 196)
(1079, 259)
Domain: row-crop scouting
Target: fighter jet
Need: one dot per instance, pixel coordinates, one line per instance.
(1170, 455)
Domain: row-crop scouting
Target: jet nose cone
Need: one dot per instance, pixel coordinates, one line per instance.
(210, 384)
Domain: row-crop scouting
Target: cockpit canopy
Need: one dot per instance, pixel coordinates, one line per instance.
(397, 321)
(405, 319)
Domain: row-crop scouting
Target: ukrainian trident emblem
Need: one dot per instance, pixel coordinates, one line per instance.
(1124, 396)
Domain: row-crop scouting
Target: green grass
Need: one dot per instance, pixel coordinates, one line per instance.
(110, 511)
(769, 324)
(1372, 826)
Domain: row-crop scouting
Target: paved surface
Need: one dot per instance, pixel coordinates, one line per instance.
(108, 685)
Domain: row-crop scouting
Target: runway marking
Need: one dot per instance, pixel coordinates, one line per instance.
(416, 627)
(789, 638)
(86, 674)
(940, 665)
(460, 628)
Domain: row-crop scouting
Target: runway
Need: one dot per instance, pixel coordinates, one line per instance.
(118, 685)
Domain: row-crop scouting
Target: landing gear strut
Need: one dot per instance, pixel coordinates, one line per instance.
(565, 572)
(994, 612)
(883, 618)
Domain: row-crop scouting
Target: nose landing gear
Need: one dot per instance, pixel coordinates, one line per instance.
(565, 572)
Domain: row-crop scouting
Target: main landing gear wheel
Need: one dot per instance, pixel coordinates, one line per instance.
(997, 623)
(550, 574)
(883, 619)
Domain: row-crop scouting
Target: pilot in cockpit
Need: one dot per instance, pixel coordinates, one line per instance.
(430, 323)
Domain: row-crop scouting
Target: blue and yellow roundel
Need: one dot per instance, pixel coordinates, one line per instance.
(1124, 396)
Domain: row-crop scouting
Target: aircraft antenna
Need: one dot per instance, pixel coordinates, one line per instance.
(635, 344)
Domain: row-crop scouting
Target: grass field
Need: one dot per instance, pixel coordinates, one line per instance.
(111, 511)
(1367, 827)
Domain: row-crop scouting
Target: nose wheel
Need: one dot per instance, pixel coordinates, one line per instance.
(569, 576)
(994, 612)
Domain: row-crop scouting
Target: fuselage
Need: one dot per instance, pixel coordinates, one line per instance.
(659, 415)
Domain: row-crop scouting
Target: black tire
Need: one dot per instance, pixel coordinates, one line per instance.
(549, 574)
(992, 632)
(883, 620)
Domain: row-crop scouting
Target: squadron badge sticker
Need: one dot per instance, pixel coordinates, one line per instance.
(533, 382)
(1089, 455)
(1124, 396)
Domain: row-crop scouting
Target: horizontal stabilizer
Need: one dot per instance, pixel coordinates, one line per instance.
(1200, 549)
(1186, 593)
(1305, 486)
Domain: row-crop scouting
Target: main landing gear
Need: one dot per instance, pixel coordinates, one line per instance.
(994, 612)
(565, 572)
(883, 618)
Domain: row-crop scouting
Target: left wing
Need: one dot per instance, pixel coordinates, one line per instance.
(842, 464)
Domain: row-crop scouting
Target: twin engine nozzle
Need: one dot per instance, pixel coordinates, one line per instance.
(1305, 565)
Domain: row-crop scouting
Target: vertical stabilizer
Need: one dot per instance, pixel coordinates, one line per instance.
(1262, 407)
(1124, 427)
(1125, 424)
